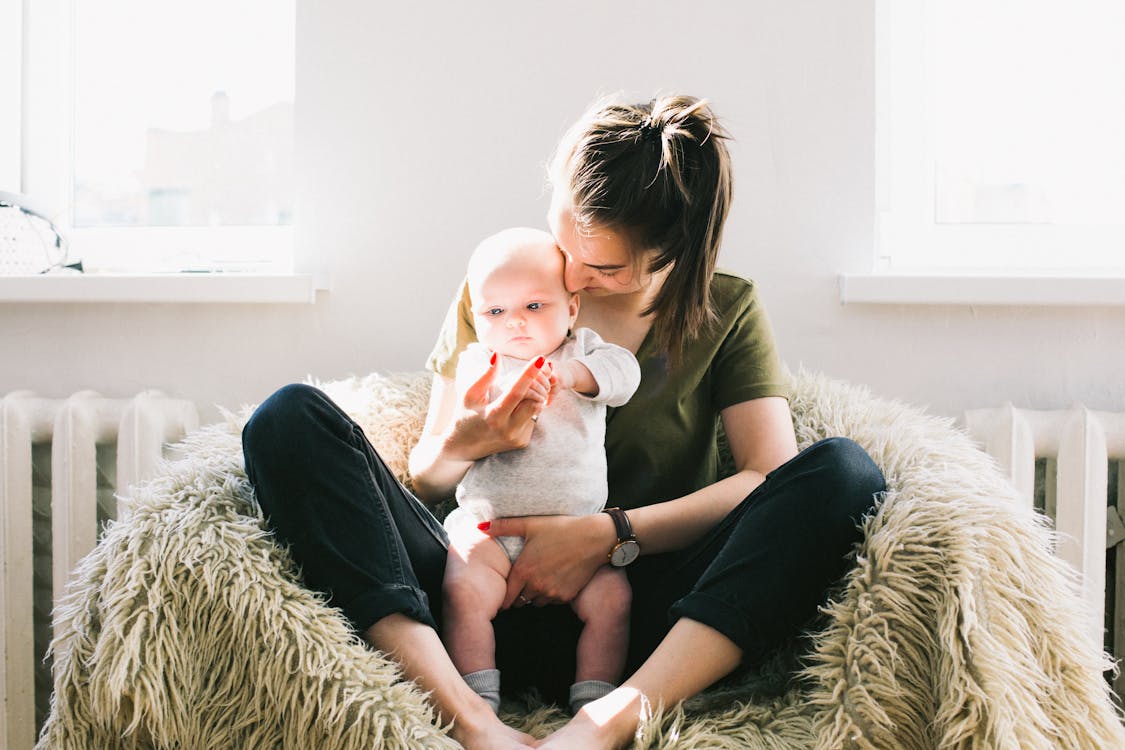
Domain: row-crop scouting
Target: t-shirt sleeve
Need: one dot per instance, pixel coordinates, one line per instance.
(747, 365)
(457, 332)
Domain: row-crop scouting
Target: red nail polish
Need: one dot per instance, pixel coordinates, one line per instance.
(492, 360)
(539, 362)
(484, 525)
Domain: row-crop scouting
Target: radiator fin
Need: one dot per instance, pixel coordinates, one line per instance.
(60, 462)
(1067, 464)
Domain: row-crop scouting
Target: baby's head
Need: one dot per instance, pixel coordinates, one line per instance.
(520, 306)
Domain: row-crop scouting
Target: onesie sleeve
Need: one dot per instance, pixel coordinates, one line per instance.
(614, 368)
(457, 332)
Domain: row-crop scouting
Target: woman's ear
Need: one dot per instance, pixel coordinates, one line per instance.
(573, 309)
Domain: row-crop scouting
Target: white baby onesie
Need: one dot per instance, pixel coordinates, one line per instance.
(562, 471)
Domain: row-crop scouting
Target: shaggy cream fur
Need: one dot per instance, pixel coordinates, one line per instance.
(187, 626)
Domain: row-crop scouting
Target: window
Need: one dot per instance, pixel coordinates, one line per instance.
(11, 21)
(160, 134)
(998, 132)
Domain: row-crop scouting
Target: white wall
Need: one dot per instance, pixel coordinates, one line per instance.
(423, 126)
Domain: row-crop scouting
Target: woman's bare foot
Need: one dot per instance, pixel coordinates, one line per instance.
(608, 723)
(418, 649)
(484, 731)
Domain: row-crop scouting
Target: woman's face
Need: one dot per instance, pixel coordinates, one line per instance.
(598, 262)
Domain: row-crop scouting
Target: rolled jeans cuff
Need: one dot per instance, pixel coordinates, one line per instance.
(725, 618)
(367, 609)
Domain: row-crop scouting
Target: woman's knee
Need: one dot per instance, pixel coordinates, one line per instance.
(849, 479)
(283, 415)
(852, 463)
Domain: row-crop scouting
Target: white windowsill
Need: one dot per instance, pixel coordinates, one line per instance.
(936, 288)
(209, 288)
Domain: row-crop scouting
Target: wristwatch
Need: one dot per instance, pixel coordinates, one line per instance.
(627, 549)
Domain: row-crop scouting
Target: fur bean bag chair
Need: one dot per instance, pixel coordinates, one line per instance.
(188, 627)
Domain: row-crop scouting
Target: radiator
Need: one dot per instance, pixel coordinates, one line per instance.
(60, 460)
(1077, 457)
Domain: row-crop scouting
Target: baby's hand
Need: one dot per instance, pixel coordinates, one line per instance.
(573, 376)
(555, 376)
(561, 379)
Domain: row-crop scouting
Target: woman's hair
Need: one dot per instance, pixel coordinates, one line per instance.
(659, 173)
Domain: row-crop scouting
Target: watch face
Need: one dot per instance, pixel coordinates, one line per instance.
(625, 553)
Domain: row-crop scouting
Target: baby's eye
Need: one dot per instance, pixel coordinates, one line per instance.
(534, 305)
(494, 311)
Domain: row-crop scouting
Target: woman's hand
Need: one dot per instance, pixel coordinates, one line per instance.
(461, 428)
(560, 555)
(482, 427)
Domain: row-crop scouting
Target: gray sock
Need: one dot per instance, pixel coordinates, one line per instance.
(486, 684)
(583, 692)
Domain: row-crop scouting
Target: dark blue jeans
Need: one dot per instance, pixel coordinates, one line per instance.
(365, 541)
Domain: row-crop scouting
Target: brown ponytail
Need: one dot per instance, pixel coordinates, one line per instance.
(660, 174)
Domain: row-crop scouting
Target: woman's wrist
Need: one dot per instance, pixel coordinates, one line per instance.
(434, 474)
(468, 440)
(439, 462)
(456, 446)
(603, 535)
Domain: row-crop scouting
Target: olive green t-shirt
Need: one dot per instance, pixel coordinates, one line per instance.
(663, 443)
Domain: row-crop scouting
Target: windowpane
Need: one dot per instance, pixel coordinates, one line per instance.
(1028, 105)
(184, 113)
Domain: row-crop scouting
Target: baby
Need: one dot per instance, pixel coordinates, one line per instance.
(522, 311)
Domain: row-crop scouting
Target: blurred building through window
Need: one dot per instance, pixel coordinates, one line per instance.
(184, 113)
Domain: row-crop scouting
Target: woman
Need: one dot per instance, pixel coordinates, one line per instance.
(728, 568)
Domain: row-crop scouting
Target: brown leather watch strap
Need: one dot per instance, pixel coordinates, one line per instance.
(621, 523)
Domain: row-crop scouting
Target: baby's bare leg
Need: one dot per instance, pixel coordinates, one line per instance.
(476, 573)
(603, 606)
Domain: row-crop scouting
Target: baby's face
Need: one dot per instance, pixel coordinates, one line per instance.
(521, 308)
